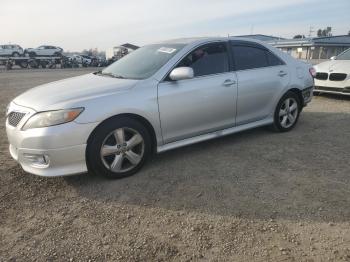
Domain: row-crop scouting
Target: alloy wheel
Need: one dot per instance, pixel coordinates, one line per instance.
(122, 150)
(288, 112)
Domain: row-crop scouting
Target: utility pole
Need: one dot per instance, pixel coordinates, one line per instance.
(251, 29)
(311, 30)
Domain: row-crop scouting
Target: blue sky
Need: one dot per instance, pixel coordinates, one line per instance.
(81, 24)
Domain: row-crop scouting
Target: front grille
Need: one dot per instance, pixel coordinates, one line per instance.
(337, 77)
(15, 117)
(321, 76)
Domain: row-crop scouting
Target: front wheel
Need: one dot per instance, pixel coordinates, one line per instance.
(287, 112)
(118, 148)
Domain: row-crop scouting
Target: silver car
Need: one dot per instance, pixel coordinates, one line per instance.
(160, 97)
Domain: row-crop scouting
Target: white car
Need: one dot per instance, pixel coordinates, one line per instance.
(44, 50)
(81, 59)
(334, 76)
(11, 50)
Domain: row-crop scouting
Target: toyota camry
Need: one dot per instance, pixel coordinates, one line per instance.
(159, 97)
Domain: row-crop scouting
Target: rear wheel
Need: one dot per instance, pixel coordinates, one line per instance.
(15, 54)
(118, 148)
(23, 64)
(287, 112)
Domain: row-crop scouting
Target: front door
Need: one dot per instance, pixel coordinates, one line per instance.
(204, 103)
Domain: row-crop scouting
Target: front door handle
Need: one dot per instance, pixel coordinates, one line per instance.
(229, 82)
(282, 73)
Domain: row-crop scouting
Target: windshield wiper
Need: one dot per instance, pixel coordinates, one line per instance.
(109, 74)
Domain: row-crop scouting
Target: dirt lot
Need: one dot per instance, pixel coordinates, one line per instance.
(254, 196)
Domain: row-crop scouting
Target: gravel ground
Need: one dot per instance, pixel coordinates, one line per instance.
(253, 196)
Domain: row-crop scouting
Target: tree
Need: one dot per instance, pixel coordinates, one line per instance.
(324, 32)
(298, 36)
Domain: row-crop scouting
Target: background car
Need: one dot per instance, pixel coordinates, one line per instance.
(11, 50)
(44, 50)
(81, 59)
(86, 60)
(334, 76)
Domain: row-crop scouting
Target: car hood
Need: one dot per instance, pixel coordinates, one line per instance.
(72, 90)
(336, 66)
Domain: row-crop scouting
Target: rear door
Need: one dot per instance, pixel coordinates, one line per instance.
(261, 78)
(204, 103)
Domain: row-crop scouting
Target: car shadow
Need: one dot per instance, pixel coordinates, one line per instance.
(258, 174)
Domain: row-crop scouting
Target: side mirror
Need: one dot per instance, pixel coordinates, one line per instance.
(333, 57)
(181, 73)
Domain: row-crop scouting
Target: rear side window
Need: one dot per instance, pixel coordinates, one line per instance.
(273, 60)
(207, 59)
(249, 57)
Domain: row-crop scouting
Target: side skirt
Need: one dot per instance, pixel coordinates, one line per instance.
(216, 134)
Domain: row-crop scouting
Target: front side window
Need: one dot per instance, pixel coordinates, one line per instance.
(143, 62)
(208, 59)
(249, 57)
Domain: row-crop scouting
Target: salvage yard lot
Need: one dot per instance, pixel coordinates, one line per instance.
(253, 196)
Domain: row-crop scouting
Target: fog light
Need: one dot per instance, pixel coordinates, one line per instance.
(37, 159)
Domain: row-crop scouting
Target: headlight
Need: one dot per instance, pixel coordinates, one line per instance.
(52, 118)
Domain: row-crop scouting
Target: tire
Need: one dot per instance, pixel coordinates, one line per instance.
(32, 54)
(118, 159)
(286, 117)
(43, 64)
(15, 54)
(57, 54)
(23, 64)
(33, 64)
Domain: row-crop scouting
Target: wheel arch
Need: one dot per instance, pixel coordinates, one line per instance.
(299, 94)
(136, 117)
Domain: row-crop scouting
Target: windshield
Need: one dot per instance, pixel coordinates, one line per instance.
(143, 62)
(344, 56)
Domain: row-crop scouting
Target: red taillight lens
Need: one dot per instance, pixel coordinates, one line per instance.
(312, 72)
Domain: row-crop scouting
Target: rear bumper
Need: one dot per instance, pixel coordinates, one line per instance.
(307, 95)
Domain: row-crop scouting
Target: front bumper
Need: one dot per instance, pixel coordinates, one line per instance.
(60, 162)
(333, 90)
(62, 147)
(333, 87)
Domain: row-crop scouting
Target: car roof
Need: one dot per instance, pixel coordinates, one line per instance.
(198, 40)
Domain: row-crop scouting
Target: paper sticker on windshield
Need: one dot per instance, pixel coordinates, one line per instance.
(167, 50)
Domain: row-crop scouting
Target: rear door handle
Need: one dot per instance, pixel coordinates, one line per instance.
(229, 82)
(282, 73)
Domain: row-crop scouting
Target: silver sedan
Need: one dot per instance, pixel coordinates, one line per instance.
(162, 96)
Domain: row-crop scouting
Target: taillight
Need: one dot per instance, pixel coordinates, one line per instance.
(312, 72)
